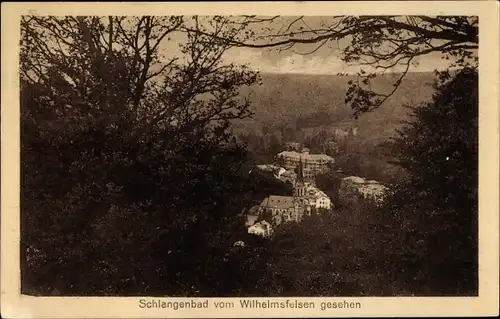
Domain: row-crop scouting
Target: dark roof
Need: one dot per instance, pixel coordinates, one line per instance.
(280, 202)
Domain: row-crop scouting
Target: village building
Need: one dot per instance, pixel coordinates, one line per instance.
(341, 134)
(282, 208)
(276, 170)
(354, 187)
(317, 198)
(262, 228)
(287, 208)
(311, 195)
(313, 164)
(239, 243)
(306, 196)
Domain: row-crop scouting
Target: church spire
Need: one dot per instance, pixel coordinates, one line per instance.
(300, 172)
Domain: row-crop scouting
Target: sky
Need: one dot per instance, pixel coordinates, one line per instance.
(326, 60)
(319, 63)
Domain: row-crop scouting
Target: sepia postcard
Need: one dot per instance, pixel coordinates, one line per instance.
(250, 159)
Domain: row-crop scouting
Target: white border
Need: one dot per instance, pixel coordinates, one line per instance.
(16, 306)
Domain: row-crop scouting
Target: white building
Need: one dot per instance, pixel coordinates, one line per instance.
(312, 196)
(317, 198)
(313, 164)
(373, 190)
(262, 228)
(353, 186)
(276, 170)
(239, 243)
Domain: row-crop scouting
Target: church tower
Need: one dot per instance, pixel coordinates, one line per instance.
(300, 188)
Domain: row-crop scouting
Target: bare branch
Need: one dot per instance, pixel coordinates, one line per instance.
(292, 23)
(395, 85)
(110, 41)
(315, 49)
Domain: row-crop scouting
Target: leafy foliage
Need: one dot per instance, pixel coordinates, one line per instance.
(327, 254)
(131, 183)
(423, 241)
(376, 43)
(436, 207)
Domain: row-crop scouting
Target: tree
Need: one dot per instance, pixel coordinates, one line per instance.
(326, 254)
(138, 189)
(330, 184)
(92, 50)
(434, 210)
(275, 146)
(378, 43)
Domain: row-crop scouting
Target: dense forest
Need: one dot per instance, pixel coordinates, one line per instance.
(422, 241)
(308, 109)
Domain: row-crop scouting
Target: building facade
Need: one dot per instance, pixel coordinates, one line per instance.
(317, 198)
(280, 209)
(305, 198)
(312, 164)
(355, 187)
(262, 228)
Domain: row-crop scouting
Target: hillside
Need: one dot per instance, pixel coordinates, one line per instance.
(308, 104)
(283, 98)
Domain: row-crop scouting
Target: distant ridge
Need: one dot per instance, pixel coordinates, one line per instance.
(283, 98)
(318, 102)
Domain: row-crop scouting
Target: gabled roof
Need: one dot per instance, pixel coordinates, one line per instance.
(355, 179)
(305, 156)
(279, 202)
(366, 186)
